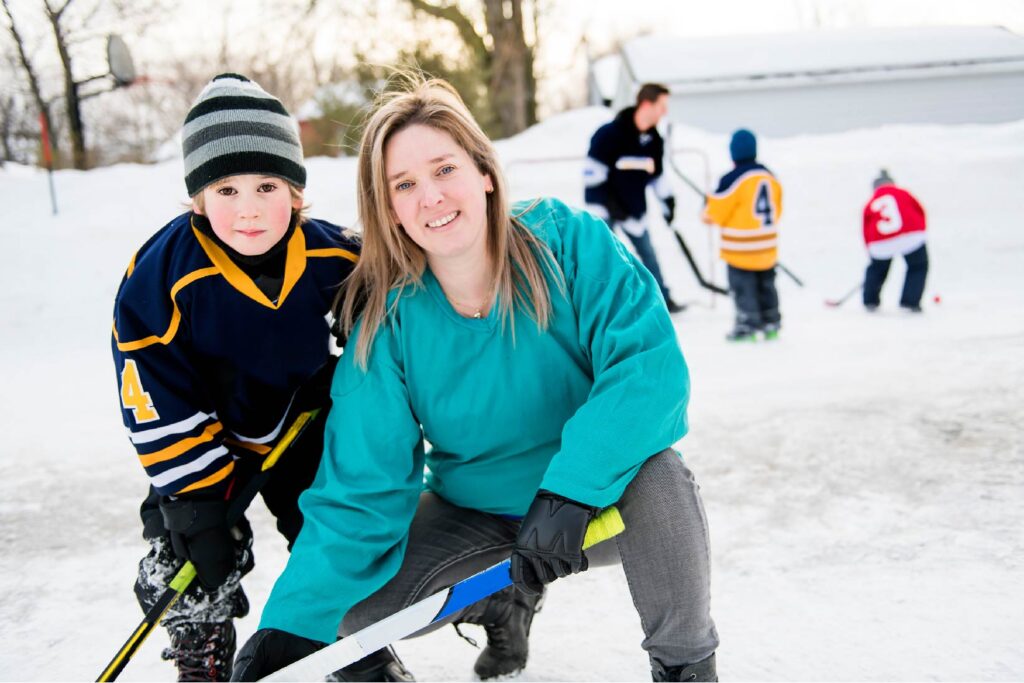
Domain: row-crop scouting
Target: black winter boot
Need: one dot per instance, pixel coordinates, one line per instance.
(506, 617)
(202, 651)
(382, 665)
(704, 670)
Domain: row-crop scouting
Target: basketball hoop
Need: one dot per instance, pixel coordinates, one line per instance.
(122, 68)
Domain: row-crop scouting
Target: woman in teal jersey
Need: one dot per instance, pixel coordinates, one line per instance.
(525, 361)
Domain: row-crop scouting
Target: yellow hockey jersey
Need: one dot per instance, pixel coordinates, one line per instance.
(747, 205)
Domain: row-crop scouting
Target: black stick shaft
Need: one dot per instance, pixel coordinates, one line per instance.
(788, 272)
(693, 264)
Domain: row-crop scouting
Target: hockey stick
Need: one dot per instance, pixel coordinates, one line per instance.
(693, 265)
(679, 238)
(183, 579)
(788, 272)
(675, 167)
(835, 303)
(427, 611)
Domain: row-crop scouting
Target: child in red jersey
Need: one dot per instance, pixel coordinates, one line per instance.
(894, 224)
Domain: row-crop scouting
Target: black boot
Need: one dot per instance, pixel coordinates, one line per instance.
(704, 670)
(506, 617)
(202, 651)
(382, 665)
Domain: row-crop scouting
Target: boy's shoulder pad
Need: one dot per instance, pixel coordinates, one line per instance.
(318, 230)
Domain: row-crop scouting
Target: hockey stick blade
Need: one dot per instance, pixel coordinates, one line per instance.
(835, 303)
(693, 266)
(419, 615)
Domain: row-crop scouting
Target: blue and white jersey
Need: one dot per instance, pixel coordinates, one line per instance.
(620, 164)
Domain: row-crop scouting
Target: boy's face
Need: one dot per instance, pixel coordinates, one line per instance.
(250, 213)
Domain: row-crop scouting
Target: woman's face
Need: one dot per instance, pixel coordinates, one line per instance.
(437, 194)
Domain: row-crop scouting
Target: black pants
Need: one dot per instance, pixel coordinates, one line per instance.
(292, 475)
(756, 299)
(913, 283)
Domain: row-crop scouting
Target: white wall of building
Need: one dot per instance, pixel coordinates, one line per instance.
(788, 84)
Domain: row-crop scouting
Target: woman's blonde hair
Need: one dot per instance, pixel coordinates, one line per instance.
(390, 259)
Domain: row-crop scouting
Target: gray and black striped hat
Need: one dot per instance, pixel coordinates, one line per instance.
(234, 127)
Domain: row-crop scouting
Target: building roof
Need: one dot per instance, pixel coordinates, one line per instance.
(859, 53)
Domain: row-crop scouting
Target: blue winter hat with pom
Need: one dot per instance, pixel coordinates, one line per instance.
(743, 146)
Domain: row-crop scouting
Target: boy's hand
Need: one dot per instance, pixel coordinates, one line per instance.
(199, 533)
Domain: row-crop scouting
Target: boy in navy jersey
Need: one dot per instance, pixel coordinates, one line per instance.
(220, 339)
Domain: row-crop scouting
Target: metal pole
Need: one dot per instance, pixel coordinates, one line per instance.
(48, 160)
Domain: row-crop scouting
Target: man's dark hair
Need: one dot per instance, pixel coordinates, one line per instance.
(650, 92)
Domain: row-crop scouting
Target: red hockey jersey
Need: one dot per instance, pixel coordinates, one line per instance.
(894, 223)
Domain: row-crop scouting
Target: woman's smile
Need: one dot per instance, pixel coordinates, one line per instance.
(443, 221)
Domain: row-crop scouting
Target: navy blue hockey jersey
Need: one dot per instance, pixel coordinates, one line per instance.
(207, 366)
(620, 163)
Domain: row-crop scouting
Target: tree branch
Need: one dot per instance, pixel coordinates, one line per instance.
(452, 14)
(33, 81)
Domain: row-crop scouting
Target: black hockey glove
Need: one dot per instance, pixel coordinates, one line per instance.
(670, 209)
(616, 212)
(550, 542)
(199, 533)
(270, 650)
(315, 392)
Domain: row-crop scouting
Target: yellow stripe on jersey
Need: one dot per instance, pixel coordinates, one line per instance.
(210, 480)
(294, 266)
(131, 265)
(172, 328)
(179, 447)
(260, 448)
(332, 251)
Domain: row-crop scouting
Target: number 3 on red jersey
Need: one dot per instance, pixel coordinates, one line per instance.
(134, 397)
(891, 221)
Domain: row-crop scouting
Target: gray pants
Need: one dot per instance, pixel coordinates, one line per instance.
(664, 552)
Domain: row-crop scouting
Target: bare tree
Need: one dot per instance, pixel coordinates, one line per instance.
(74, 26)
(30, 72)
(72, 98)
(501, 55)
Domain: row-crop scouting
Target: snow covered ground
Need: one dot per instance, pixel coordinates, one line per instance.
(864, 476)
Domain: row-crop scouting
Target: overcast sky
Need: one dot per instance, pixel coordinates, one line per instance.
(562, 58)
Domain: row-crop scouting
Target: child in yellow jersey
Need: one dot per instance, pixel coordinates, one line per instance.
(747, 205)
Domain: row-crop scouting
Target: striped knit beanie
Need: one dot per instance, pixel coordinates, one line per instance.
(235, 127)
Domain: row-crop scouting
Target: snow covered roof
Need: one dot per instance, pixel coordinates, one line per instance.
(605, 74)
(860, 53)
